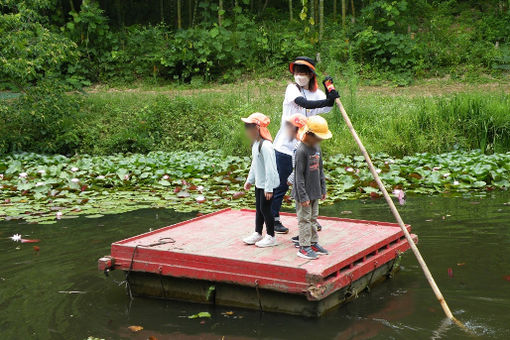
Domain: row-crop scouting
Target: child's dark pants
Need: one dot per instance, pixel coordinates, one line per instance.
(264, 214)
(284, 165)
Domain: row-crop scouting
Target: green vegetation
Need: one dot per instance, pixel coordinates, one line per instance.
(42, 189)
(81, 42)
(46, 120)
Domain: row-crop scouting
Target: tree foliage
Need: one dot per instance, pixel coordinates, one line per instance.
(85, 41)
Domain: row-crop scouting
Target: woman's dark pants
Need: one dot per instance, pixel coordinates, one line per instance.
(284, 165)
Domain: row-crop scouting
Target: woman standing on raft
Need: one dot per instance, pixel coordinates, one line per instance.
(302, 96)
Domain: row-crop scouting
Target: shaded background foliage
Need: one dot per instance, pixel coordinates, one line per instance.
(85, 41)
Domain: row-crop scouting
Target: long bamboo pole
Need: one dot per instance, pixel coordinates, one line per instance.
(396, 214)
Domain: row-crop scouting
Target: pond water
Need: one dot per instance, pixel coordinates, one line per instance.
(469, 235)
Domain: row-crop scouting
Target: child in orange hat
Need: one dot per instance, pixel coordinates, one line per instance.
(264, 174)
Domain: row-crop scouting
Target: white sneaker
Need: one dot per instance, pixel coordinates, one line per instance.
(253, 238)
(268, 241)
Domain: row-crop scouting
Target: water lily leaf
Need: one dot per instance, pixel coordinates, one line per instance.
(94, 216)
(200, 315)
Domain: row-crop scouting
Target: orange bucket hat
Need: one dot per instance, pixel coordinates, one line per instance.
(262, 121)
(298, 120)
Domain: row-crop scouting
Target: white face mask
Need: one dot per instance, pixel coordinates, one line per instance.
(301, 80)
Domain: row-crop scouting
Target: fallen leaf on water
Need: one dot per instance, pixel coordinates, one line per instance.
(346, 212)
(507, 277)
(74, 292)
(135, 329)
(229, 313)
(450, 272)
(36, 248)
(24, 240)
(152, 338)
(202, 322)
(428, 220)
(460, 264)
(200, 315)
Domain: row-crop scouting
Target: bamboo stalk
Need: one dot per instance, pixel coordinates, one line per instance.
(334, 10)
(353, 11)
(179, 14)
(162, 10)
(396, 214)
(290, 11)
(220, 11)
(343, 12)
(311, 5)
(321, 19)
(190, 13)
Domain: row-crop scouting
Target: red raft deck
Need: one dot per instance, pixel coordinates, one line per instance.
(204, 260)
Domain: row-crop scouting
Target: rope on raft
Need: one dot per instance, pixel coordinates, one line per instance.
(161, 241)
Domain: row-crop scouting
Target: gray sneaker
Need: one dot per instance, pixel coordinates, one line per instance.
(319, 250)
(307, 253)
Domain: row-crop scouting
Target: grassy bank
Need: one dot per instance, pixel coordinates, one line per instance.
(108, 121)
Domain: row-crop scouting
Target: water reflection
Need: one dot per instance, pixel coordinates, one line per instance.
(468, 236)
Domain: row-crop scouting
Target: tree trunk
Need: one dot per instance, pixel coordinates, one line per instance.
(71, 4)
(264, 7)
(343, 12)
(353, 11)
(316, 5)
(334, 10)
(220, 12)
(179, 14)
(194, 13)
(311, 5)
(290, 11)
(190, 13)
(321, 19)
(161, 10)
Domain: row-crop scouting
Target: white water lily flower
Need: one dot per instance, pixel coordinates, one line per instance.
(75, 180)
(126, 177)
(446, 175)
(74, 169)
(349, 169)
(23, 175)
(456, 183)
(200, 188)
(42, 172)
(436, 168)
(378, 171)
(1, 176)
(16, 238)
(100, 177)
(39, 184)
(58, 215)
(166, 177)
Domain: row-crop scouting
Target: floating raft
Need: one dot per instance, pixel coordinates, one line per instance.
(204, 260)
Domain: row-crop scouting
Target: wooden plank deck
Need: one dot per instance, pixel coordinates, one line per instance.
(210, 248)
